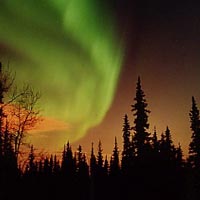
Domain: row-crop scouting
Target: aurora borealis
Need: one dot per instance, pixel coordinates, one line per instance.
(85, 56)
(68, 50)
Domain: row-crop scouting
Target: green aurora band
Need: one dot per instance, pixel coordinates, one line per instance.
(67, 49)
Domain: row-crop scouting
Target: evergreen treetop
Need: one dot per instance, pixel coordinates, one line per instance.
(140, 112)
(194, 146)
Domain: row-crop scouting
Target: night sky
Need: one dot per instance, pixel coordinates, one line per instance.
(85, 58)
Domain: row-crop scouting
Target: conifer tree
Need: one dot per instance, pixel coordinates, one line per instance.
(93, 163)
(106, 166)
(31, 159)
(114, 163)
(51, 164)
(31, 168)
(68, 162)
(179, 156)
(155, 156)
(46, 167)
(79, 154)
(83, 168)
(140, 112)
(80, 157)
(127, 144)
(155, 142)
(56, 166)
(194, 146)
(167, 148)
(8, 151)
(40, 168)
(100, 156)
(93, 170)
(63, 164)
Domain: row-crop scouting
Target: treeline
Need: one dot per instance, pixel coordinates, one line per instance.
(149, 167)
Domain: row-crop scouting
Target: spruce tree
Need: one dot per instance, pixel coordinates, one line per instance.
(40, 168)
(93, 169)
(68, 161)
(126, 153)
(155, 142)
(100, 156)
(56, 166)
(8, 152)
(82, 166)
(179, 156)
(31, 160)
(46, 167)
(194, 146)
(51, 165)
(140, 112)
(167, 149)
(93, 163)
(155, 150)
(114, 163)
(63, 163)
(79, 159)
(106, 166)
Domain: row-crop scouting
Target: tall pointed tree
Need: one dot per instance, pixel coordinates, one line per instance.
(167, 149)
(106, 166)
(127, 150)
(82, 167)
(80, 153)
(51, 164)
(179, 156)
(194, 146)
(100, 156)
(155, 142)
(56, 166)
(40, 168)
(92, 161)
(46, 167)
(114, 163)
(31, 165)
(93, 169)
(141, 125)
(155, 149)
(68, 161)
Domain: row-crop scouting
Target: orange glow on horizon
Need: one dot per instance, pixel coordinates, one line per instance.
(50, 124)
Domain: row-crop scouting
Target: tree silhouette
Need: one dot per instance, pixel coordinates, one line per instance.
(155, 142)
(31, 164)
(179, 156)
(100, 156)
(167, 148)
(18, 107)
(24, 115)
(83, 169)
(93, 167)
(114, 162)
(68, 162)
(128, 151)
(140, 112)
(194, 150)
(93, 164)
(82, 183)
(56, 166)
(106, 166)
(47, 169)
(150, 168)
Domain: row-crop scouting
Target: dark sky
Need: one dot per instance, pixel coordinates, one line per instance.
(163, 47)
